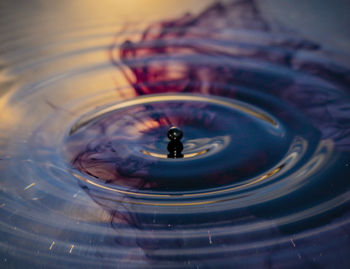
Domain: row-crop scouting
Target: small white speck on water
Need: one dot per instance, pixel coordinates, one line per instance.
(51, 246)
(29, 186)
(291, 240)
(209, 237)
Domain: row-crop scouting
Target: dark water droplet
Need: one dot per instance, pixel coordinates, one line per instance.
(175, 146)
(175, 149)
(175, 134)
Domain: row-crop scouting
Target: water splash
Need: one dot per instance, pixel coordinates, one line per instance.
(84, 182)
(281, 194)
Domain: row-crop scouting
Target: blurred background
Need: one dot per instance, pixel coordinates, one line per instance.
(321, 20)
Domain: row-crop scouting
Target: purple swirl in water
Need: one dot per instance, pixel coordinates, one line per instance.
(273, 198)
(232, 45)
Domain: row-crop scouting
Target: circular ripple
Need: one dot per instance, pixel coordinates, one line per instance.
(225, 143)
(85, 178)
(126, 144)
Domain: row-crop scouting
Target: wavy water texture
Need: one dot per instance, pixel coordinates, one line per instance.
(231, 50)
(232, 44)
(85, 110)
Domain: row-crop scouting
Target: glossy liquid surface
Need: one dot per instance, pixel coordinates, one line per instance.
(85, 178)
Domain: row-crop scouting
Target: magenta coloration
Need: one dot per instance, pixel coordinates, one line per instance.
(231, 46)
(86, 176)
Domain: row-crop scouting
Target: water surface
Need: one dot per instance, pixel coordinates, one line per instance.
(86, 102)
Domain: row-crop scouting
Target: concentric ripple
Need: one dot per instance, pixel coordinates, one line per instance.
(126, 145)
(85, 178)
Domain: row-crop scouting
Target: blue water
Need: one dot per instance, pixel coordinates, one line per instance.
(263, 183)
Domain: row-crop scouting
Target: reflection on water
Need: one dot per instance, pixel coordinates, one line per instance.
(86, 104)
(109, 147)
